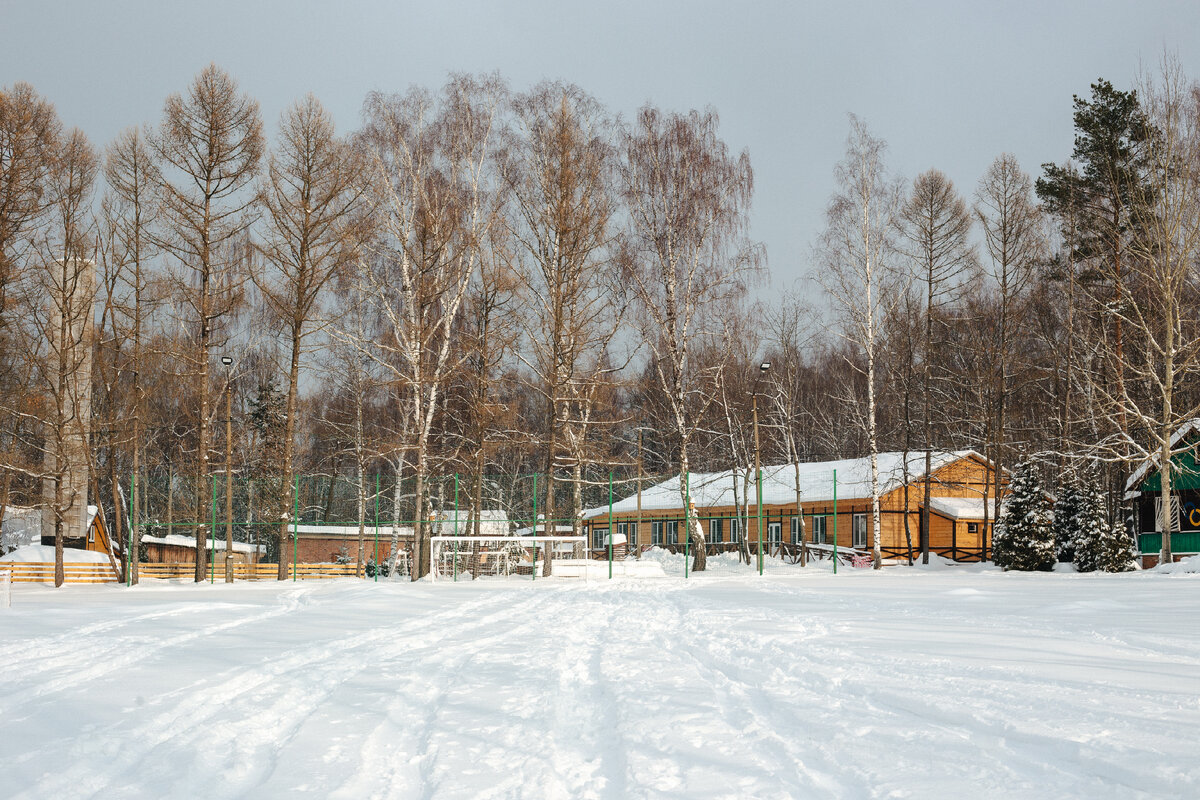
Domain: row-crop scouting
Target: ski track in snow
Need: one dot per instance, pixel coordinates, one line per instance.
(915, 684)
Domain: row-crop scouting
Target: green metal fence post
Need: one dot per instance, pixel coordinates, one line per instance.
(212, 546)
(835, 541)
(295, 528)
(610, 523)
(377, 527)
(534, 570)
(758, 492)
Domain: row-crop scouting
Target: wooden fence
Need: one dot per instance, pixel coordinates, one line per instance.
(247, 572)
(43, 572)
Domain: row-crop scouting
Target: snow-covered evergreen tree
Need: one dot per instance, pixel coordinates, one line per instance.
(1098, 543)
(1024, 537)
(1066, 506)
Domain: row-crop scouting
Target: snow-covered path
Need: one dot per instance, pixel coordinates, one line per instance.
(937, 683)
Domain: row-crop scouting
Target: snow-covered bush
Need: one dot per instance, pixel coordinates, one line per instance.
(1024, 537)
(1099, 544)
(1066, 506)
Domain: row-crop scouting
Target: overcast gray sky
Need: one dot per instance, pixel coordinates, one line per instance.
(947, 83)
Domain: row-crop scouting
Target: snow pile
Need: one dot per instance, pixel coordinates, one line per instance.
(1184, 566)
(44, 553)
(947, 683)
(728, 564)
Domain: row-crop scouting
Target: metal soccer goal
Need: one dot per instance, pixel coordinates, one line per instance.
(471, 557)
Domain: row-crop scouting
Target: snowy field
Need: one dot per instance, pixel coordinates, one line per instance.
(936, 683)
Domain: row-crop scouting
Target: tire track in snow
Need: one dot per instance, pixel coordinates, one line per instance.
(264, 709)
(767, 699)
(17, 655)
(399, 757)
(88, 663)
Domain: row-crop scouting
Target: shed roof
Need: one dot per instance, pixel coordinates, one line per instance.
(963, 507)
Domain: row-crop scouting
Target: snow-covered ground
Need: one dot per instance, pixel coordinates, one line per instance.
(934, 683)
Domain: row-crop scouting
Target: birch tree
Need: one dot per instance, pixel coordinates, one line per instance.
(431, 160)
(688, 199)
(859, 238)
(1163, 354)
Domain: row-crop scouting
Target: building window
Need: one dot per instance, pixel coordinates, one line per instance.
(656, 532)
(624, 529)
(818, 529)
(716, 531)
(599, 538)
(735, 529)
(672, 531)
(972, 527)
(1174, 519)
(775, 533)
(797, 533)
(859, 529)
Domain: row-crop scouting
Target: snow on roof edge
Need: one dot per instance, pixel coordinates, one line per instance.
(1140, 474)
(714, 489)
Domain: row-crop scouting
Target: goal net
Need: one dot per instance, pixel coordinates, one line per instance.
(471, 557)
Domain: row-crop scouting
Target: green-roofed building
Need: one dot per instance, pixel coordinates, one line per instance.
(1144, 487)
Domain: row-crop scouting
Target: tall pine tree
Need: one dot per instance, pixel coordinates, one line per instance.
(1066, 507)
(1098, 543)
(1024, 537)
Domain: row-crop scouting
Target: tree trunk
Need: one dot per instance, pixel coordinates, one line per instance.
(695, 532)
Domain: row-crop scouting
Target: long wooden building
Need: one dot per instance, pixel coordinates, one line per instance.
(834, 500)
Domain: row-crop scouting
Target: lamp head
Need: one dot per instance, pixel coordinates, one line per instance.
(227, 360)
(764, 366)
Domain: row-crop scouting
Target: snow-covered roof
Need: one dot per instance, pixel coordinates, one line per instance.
(963, 507)
(715, 489)
(345, 530)
(179, 540)
(1189, 428)
(540, 528)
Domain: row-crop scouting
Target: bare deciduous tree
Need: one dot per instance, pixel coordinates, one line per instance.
(937, 225)
(430, 163)
(131, 209)
(312, 189)
(858, 239)
(688, 200)
(29, 136)
(210, 142)
(1014, 241)
(1162, 353)
(557, 168)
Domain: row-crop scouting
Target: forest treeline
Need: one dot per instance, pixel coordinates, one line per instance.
(485, 282)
